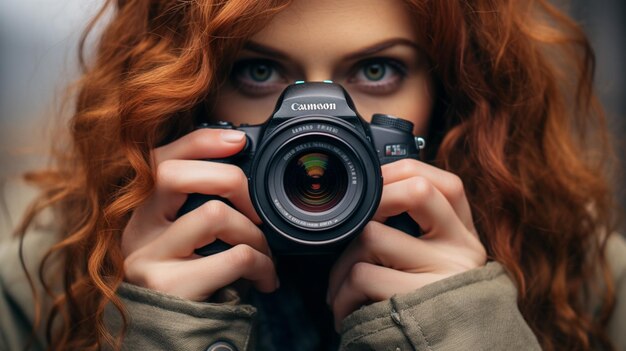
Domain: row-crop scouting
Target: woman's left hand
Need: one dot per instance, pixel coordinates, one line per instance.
(383, 261)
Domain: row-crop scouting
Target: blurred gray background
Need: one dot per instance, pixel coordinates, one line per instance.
(38, 41)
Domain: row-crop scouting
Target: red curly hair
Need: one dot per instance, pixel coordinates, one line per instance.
(515, 117)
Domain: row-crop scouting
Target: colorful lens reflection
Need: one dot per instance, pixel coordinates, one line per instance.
(315, 181)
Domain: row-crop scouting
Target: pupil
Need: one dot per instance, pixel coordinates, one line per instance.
(260, 73)
(375, 71)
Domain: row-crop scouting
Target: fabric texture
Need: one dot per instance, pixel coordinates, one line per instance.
(474, 310)
(164, 322)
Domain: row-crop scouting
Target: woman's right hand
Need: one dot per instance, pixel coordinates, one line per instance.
(159, 248)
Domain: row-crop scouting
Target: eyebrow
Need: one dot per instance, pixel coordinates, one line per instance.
(382, 46)
(372, 49)
(265, 50)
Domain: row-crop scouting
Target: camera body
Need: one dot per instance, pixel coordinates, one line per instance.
(313, 168)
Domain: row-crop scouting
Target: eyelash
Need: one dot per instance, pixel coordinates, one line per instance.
(241, 80)
(240, 76)
(398, 70)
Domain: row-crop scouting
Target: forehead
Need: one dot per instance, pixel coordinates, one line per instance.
(325, 29)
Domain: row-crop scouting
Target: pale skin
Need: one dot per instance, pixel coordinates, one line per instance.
(369, 47)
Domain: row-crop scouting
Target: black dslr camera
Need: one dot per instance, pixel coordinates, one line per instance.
(313, 168)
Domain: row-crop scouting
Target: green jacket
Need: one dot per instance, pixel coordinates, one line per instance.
(475, 310)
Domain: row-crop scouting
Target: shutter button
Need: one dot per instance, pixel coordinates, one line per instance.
(221, 346)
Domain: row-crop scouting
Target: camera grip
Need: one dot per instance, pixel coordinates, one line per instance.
(194, 201)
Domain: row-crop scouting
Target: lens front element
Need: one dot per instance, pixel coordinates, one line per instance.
(315, 181)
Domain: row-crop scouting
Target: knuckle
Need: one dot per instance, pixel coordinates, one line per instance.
(359, 273)
(166, 173)
(157, 281)
(236, 178)
(135, 270)
(214, 211)
(455, 187)
(233, 180)
(371, 235)
(406, 166)
(243, 255)
(481, 251)
(419, 188)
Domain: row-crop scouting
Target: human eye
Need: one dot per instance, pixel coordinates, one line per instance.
(257, 77)
(378, 75)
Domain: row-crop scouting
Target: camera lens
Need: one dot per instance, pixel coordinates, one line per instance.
(315, 181)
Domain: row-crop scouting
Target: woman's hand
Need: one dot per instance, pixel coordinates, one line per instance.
(383, 261)
(159, 248)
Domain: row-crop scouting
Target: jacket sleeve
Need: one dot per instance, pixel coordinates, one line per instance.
(155, 321)
(475, 310)
(616, 256)
(163, 322)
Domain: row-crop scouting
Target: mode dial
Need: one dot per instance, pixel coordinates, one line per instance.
(392, 122)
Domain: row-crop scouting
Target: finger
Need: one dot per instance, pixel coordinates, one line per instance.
(175, 177)
(197, 279)
(240, 262)
(213, 220)
(423, 202)
(368, 283)
(386, 246)
(449, 184)
(202, 144)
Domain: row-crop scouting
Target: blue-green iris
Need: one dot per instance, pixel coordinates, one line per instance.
(374, 71)
(260, 72)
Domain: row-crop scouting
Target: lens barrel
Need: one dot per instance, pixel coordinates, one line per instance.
(316, 180)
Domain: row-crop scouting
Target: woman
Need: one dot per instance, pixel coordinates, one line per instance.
(513, 202)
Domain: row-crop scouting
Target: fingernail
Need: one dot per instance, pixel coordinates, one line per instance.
(232, 136)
